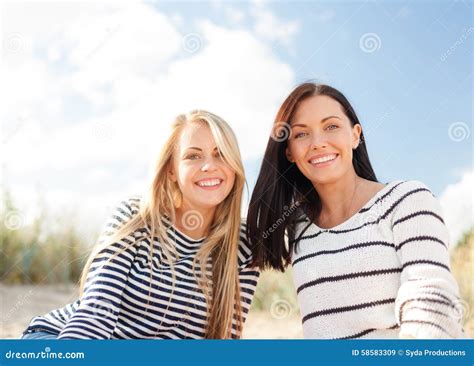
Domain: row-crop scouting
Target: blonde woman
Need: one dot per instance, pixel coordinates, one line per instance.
(144, 278)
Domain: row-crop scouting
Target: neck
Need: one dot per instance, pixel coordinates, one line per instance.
(337, 197)
(194, 221)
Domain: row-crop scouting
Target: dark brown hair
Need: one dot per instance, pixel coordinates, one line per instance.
(283, 196)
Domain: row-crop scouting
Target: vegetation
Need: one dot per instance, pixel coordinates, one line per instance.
(30, 254)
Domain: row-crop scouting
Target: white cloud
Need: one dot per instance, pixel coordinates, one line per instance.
(236, 76)
(458, 206)
(269, 26)
(120, 51)
(234, 15)
(90, 101)
(325, 16)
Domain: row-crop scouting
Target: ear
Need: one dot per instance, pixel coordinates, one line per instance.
(172, 174)
(289, 156)
(356, 132)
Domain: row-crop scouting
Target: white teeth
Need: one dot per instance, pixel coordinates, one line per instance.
(323, 159)
(209, 183)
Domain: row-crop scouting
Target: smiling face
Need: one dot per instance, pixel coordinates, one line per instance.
(322, 139)
(198, 168)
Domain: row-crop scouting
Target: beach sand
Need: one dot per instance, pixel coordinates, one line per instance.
(20, 303)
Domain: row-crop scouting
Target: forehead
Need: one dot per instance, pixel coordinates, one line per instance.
(196, 134)
(316, 108)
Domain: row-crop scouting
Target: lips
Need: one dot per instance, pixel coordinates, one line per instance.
(209, 183)
(323, 159)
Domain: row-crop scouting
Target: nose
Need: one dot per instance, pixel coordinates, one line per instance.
(209, 165)
(318, 142)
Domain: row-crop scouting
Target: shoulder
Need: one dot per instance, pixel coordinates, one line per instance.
(122, 212)
(131, 203)
(245, 252)
(243, 240)
(402, 191)
(411, 191)
(125, 208)
(406, 186)
(413, 197)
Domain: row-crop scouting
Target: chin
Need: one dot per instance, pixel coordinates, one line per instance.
(326, 178)
(208, 203)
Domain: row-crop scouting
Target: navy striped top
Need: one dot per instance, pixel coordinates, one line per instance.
(382, 273)
(114, 302)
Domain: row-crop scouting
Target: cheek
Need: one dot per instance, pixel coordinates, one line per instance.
(185, 174)
(297, 150)
(230, 177)
(344, 144)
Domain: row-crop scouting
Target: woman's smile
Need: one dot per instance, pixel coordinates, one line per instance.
(210, 184)
(323, 160)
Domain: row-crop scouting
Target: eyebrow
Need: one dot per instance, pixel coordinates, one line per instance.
(197, 148)
(323, 120)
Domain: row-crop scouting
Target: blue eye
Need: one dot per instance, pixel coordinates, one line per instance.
(332, 127)
(300, 134)
(192, 156)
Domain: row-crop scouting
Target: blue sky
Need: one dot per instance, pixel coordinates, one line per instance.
(83, 78)
(407, 93)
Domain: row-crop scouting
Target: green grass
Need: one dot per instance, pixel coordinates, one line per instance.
(38, 254)
(462, 265)
(275, 289)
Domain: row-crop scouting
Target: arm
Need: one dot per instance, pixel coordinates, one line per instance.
(248, 276)
(427, 303)
(97, 313)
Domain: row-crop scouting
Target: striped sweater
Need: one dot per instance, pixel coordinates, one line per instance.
(383, 273)
(113, 305)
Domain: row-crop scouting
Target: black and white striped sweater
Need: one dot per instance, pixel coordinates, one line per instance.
(113, 305)
(382, 273)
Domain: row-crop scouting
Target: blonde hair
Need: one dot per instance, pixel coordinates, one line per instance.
(222, 289)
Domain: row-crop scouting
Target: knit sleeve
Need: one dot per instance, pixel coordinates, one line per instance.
(248, 275)
(97, 313)
(427, 304)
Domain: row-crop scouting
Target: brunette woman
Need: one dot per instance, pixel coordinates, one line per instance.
(370, 260)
